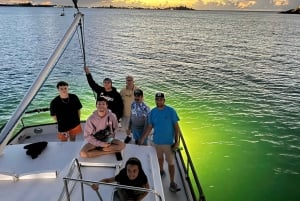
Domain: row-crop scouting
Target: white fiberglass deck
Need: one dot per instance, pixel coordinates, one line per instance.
(58, 157)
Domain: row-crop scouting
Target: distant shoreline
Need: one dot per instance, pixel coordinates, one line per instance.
(112, 7)
(26, 5)
(292, 11)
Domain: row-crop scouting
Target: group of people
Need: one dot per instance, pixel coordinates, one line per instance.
(112, 108)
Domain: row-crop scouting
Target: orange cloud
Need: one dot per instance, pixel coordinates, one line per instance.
(158, 3)
(46, 3)
(281, 2)
(233, 3)
(245, 4)
(216, 2)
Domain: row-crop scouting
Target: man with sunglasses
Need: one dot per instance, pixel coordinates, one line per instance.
(138, 118)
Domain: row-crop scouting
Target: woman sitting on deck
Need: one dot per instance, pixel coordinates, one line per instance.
(132, 175)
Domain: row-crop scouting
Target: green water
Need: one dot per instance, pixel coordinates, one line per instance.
(233, 78)
(233, 156)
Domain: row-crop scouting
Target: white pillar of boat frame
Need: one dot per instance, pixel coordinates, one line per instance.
(8, 130)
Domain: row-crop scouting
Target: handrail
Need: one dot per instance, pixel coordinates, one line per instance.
(89, 182)
(190, 167)
(38, 110)
(76, 165)
(8, 131)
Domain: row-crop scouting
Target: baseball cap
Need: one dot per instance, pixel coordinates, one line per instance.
(138, 92)
(159, 95)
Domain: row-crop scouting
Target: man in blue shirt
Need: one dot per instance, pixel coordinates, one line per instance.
(164, 120)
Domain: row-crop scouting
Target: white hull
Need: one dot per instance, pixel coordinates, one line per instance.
(59, 157)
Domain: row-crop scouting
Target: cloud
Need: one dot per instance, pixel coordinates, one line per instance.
(46, 3)
(280, 2)
(156, 3)
(214, 2)
(267, 5)
(245, 4)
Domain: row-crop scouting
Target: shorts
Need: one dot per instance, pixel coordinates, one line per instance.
(63, 136)
(137, 134)
(167, 150)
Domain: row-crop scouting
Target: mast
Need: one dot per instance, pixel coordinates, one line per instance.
(8, 131)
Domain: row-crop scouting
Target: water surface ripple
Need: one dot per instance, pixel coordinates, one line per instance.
(233, 77)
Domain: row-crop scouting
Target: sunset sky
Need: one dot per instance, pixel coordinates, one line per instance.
(196, 4)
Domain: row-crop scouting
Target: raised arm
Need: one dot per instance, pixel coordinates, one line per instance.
(94, 86)
(87, 70)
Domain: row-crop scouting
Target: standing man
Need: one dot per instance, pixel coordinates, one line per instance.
(164, 120)
(65, 110)
(110, 93)
(104, 121)
(127, 94)
(138, 117)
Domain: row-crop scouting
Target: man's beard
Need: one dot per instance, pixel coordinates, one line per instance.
(159, 105)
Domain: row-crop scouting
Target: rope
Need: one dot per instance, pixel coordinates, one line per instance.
(81, 39)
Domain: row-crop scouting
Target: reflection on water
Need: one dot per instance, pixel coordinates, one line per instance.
(232, 76)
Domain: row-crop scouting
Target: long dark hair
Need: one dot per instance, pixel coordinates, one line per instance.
(135, 161)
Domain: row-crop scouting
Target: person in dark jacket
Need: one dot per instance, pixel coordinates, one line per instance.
(110, 93)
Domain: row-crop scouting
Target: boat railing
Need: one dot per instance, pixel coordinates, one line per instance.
(189, 172)
(38, 110)
(75, 171)
(119, 186)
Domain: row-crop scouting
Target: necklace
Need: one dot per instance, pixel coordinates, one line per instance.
(65, 100)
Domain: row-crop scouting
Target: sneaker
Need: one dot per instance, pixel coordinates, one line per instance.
(173, 187)
(127, 139)
(162, 173)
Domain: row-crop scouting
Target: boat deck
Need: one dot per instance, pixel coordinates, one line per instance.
(59, 156)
